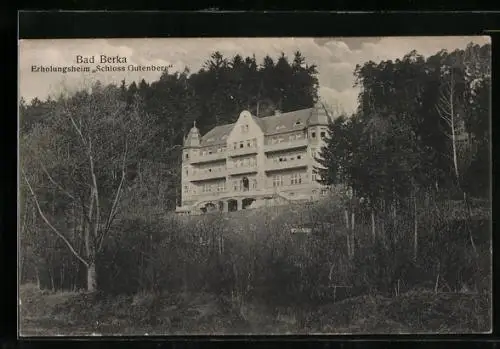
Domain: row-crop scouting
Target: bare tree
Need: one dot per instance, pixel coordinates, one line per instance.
(84, 152)
(447, 110)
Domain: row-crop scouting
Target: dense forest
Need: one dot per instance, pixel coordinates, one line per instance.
(100, 172)
(422, 125)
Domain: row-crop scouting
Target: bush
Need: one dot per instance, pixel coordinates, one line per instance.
(254, 257)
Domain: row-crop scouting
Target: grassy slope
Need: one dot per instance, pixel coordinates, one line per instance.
(84, 314)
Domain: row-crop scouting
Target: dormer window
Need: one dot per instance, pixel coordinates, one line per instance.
(298, 123)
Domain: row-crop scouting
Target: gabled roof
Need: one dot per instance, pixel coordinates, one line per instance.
(286, 122)
(270, 125)
(216, 135)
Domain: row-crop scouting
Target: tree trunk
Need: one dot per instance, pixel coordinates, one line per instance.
(38, 283)
(346, 219)
(374, 233)
(415, 245)
(91, 277)
(52, 280)
(348, 237)
(61, 281)
(352, 233)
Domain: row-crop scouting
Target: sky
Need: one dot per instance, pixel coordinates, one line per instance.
(335, 58)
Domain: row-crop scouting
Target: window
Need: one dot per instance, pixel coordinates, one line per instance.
(249, 145)
(241, 144)
(221, 186)
(187, 155)
(254, 183)
(323, 134)
(209, 152)
(313, 134)
(186, 189)
(186, 171)
(324, 192)
(296, 179)
(277, 181)
(246, 184)
(299, 157)
(234, 145)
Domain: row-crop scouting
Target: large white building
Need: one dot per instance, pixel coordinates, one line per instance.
(253, 162)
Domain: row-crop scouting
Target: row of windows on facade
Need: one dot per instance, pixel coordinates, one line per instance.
(252, 143)
(246, 162)
(246, 184)
(292, 137)
(252, 162)
(278, 180)
(237, 185)
(290, 157)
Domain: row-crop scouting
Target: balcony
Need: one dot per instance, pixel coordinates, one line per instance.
(243, 151)
(198, 159)
(210, 195)
(203, 176)
(285, 165)
(242, 170)
(300, 143)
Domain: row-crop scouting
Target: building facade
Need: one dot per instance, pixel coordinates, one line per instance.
(253, 162)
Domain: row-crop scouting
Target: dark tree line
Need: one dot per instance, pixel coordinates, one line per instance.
(401, 138)
(421, 133)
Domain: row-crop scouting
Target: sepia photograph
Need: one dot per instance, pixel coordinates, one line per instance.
(254, 186)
